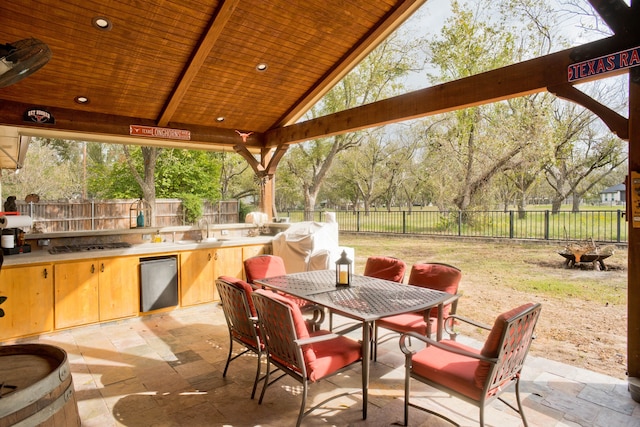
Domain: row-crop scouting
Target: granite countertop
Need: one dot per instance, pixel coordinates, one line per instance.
(43, 256)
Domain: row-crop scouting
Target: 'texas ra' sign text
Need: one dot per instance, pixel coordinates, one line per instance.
(604, 64)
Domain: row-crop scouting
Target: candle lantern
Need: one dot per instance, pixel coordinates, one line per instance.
(343, 270)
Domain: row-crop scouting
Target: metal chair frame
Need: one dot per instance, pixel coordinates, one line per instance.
(284, 349)
(453, 302)
(316, 312)
(242, 327)
(505, 369)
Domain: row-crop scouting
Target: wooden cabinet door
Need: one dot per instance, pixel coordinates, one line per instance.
(197, 281)
(254, 250)
(76, 293)
(119, 287)
(228, 262)
(28, 309)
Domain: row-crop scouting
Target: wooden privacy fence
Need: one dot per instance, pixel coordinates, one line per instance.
(83, 215)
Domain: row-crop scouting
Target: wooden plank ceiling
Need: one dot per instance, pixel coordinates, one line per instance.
(185, 63)
(182, 64)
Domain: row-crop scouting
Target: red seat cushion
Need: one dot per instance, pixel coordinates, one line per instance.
(408, 322)
(386, 268)
(332, 355)
(454, 371)
(263, 266)
(440, 277)
(491, 346)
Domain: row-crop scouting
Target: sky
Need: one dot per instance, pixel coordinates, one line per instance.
(430, 18)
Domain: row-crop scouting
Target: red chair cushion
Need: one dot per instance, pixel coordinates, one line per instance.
(440, 277)
(408, 322)
(263, 266)
(332, 355)
(452, 370)
(491, 346)
(386, 268)
(247, 288)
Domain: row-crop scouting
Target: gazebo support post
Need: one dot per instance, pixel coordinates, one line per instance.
(633, 269)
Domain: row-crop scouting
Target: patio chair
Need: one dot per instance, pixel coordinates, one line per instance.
(305, 356)
(475, 376)
(381, 267)
(438, 276)
(241, 317)
(386, 268)
(263, 266)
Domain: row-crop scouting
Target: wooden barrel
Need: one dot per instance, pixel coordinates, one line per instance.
(36, 388)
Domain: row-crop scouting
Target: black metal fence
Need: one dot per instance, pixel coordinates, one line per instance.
(599, 225)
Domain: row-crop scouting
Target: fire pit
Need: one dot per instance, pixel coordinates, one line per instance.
(587, 253)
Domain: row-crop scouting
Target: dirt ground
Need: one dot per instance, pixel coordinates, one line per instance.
(572, 328)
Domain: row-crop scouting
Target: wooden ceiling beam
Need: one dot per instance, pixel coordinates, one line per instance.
(268, 163)
(118, 128)
(200, 54)
(512, 81)
(402, 11)
(621, 18)
(617, 123)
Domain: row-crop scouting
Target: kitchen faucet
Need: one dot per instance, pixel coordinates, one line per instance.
(206, 222)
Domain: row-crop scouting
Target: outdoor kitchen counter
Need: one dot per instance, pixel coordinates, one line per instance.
(143, 249)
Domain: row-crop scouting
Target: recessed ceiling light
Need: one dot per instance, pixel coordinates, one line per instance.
(261, 66)
(81, 99)
(102, 23)
(220, 119)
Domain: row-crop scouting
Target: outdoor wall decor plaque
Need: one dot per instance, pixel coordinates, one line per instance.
(38, 115)
(604, 64)
(156, 132)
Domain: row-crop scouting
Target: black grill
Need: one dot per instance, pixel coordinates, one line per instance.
(64, 249)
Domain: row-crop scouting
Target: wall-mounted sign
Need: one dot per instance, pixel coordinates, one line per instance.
(156, 132)
(38, 115)
(605, 64)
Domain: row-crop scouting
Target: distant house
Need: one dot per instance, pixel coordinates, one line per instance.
(615, 195)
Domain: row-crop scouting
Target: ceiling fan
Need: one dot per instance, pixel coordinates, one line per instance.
(21, 59)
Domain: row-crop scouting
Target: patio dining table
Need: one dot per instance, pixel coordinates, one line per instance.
(367, 299)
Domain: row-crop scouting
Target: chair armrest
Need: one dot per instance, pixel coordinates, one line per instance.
(327, 337)
(449, 323)
(348, 329)
(317, 338)
(431, 342)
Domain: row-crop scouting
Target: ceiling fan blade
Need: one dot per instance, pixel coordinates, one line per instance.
(21, 59)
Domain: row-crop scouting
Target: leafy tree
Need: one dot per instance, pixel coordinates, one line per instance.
(471, 43)
(233, 172)
(44, 173)
(177, 173)
(188, 172)
(364, 170)
(377, 77)
(581, 156)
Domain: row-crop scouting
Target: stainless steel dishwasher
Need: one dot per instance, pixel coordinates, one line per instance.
(158, 282)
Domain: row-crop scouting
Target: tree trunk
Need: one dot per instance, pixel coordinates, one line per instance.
(309, 204)
(522, 208)
(575, 206)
